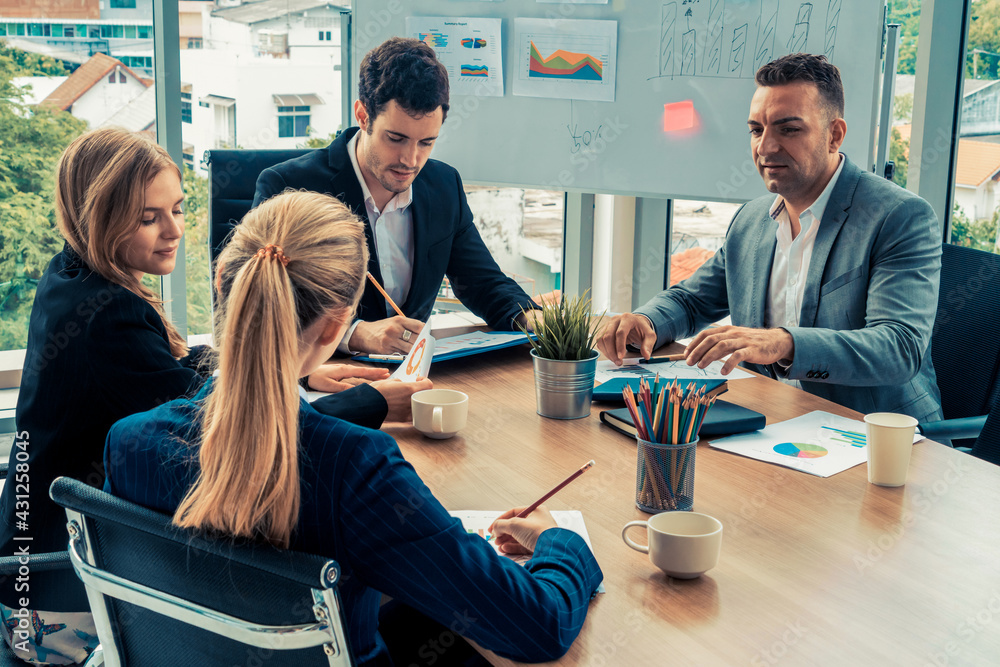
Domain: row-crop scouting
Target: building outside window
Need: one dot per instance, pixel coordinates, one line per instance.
(293, 121)
(122, 4)
(186, 113)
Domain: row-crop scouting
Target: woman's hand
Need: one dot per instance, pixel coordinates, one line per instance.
(338, 377)
(397, 394)
(518, 536)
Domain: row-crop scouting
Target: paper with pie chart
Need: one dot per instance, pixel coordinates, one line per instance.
(566, 58)
(469, 48)
(818, 443)
(417, 363)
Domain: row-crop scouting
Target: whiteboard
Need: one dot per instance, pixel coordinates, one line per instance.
(684, 53)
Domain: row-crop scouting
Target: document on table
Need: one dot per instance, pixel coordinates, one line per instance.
(478, 523)
(818, 443)
(668, 370)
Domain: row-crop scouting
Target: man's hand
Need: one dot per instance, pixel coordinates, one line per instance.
(397, 394)
(338, 377)
(385, 336)
(756, 346)
(625, 329)
(528, 318)
(519, 536)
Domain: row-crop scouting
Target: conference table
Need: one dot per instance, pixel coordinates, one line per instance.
(814, 571)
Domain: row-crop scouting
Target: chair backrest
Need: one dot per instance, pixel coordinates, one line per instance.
(987, 445)
(965, 346)
(164, 596)
(232, 175)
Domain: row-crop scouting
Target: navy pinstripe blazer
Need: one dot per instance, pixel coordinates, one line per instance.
(364, 505)
(96, 353)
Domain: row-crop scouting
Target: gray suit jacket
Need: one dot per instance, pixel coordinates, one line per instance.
(870, 296)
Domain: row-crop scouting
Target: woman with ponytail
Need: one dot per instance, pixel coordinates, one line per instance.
(100, 348)
(269, 466)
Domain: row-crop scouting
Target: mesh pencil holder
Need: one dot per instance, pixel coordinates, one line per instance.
(664, 479)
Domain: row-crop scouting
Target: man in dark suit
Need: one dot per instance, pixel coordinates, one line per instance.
(417, 221)
(831, 281)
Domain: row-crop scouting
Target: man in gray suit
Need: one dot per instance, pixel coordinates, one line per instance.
(832, 285)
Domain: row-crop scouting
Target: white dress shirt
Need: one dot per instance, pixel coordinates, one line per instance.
(393, 231)
(791, 259)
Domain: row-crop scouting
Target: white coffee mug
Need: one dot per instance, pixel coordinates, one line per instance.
(890, 441)
(683, 544)
(439, 413)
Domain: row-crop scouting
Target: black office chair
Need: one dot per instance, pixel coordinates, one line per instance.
(964, 345)
(987, 446)
(232, 176)
(164, 596)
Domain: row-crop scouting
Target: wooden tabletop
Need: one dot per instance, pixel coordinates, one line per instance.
(813, 571)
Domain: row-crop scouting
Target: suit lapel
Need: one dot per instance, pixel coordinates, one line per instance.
(763, 257)
(345, 186)
(834, 217)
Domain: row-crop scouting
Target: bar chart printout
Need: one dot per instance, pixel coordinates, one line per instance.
(566, 59)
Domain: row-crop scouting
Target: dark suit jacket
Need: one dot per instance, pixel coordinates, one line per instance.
(869, 304)
(96, 353)
(445, 239)
(364, 505)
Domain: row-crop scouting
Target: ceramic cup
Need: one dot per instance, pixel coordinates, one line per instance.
(439, 413)
(683, 544)
(890, 441)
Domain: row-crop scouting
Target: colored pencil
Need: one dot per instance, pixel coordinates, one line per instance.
(385, 294)
(558, 487)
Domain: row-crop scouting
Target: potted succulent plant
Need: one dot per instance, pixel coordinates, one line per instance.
(562, 350)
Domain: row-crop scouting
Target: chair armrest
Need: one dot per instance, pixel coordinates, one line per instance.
(953, 429)
(53, 560)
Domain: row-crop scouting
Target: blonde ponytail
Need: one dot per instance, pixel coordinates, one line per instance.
(248, 483)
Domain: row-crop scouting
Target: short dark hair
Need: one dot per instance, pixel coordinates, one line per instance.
(806, 67)
(405, 70)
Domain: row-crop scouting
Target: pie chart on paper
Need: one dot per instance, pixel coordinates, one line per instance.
(802, 450)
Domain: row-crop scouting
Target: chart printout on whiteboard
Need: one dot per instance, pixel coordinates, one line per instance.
(469, 48)
(567, 59)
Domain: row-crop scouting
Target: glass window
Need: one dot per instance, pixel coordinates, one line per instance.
(186, 115)
(121, 76)
(57, 30)
(907, 14)
(143, 31)
(328, 35)
(118, 31)
(975, 217)
(69, 31)
(293, 121)
(95, 32)
(3, 29)
(321, 35)
(20, 29)
(122, 4)
(105, 31)
(130, 32)
(29, 237)
(46, 29)
(35, 30)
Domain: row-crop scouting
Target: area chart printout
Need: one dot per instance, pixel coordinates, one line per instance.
(566, 59)
(469, 48)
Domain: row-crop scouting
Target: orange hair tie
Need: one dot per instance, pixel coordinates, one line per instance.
(273, 251)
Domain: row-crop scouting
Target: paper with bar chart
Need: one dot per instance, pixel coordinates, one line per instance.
(566, 59)
(469, 48)
(818, 443)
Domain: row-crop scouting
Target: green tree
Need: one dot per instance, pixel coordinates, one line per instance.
(907, 14)
(902, 107)
(32, 64)
(984, 35)
(899, 150)
(31, 141)
(318, 142)
(198, 266)
(980, 234)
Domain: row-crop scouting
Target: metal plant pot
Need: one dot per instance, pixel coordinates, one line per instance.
(564, 389)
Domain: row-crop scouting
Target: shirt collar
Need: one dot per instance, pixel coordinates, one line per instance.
(818, 207)
(402, 200)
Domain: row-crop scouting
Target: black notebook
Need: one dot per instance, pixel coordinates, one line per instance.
(723, 419)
